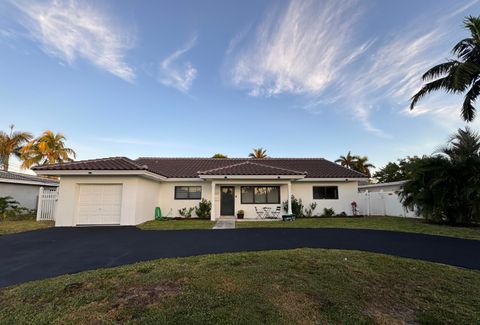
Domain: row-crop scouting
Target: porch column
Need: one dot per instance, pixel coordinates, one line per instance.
(212, 211)
(289, 198)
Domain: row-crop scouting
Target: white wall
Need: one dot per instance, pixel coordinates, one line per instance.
(347, 193)
(26, 195)
(139, 196)
(167, 196)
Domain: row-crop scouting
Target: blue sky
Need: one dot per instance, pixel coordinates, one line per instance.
(192, 78)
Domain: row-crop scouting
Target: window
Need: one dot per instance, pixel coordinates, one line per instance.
(188, 192)
(325, 192)
(260, 194)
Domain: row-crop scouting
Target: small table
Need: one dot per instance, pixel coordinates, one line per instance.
(267, 212)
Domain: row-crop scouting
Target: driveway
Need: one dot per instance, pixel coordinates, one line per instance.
(50, 252)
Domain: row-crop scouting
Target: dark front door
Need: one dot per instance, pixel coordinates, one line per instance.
(227, 201)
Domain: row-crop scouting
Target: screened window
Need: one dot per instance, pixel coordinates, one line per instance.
(260, 194)
(188, 192)
(325, 192)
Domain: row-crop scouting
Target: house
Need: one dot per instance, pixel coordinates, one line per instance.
(119, 190)
(24, 188)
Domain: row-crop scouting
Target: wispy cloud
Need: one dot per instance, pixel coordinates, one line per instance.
(72, 30)
(179, 75)
(310, 50)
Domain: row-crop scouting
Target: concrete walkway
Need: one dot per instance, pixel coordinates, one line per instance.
(225, 223)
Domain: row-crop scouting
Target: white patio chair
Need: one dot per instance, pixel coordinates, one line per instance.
(276, 214)
(260, 214)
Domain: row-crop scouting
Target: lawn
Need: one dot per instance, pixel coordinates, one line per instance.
(177, 224)
(303, 286)
(384, 223)
(14, 226)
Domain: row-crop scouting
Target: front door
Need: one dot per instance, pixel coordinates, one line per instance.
(227, 201)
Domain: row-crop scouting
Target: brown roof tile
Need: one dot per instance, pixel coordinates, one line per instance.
(193, 167)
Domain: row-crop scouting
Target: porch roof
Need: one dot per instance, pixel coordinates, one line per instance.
(248, 168)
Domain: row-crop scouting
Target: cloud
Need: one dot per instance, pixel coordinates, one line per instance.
(311, 51)
(175, 74)
(71, 30)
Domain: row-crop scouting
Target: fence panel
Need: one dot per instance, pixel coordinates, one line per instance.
(382, 204)
(47, 203)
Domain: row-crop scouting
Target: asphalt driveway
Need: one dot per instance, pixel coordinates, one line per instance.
(50, 252)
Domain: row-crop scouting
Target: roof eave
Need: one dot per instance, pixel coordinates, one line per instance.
(93, 172)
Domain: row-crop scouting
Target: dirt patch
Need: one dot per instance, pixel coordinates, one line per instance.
(147, 294)
(390, 315)
(296, 307)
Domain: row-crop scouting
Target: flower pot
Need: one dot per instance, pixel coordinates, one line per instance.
(240, 215)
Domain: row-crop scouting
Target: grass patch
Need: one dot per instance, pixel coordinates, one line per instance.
(383, 223)
(177, 224)
(14, 226)
(302, 286)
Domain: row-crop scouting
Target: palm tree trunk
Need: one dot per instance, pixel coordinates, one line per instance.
(5, 160)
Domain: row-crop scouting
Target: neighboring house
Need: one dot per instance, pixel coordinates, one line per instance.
(122, 191)
(382, 187)
(24, 188)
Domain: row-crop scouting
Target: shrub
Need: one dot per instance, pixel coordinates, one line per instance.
(328, 212)
(203, 210)
(311, 208)
(186, 213)
(297, 207)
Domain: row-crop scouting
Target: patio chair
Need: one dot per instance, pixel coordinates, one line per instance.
(276, 214)
(260, 214)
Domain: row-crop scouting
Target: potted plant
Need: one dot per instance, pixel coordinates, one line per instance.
(240, 214)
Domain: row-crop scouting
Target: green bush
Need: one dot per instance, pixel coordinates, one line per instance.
(328, 212)
(186, 212)
(10, 209)
(203, 210)
(311, 208)
(297, 207)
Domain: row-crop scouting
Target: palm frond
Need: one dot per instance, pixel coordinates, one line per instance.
(444, 83)
(468, 110)
(439, 70)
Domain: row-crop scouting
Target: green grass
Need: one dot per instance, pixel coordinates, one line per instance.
(384, 223)
(14, 226)
(176, 224)
(303, 286)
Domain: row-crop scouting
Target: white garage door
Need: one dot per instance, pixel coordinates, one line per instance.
(99, 204)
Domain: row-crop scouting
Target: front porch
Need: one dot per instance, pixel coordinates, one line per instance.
(259, 200)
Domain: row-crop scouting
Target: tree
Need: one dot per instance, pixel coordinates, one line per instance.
(258, 153)
(347, 161)
(460, 75)
(362, 165)
(49, 148)
(219, 155)
(394, 171)
(11, 144)
(446, 186)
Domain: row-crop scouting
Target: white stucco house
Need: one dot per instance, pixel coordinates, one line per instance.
(119, 190)
(24, 188)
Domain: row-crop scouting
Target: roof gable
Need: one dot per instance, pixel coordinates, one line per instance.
(250, 168)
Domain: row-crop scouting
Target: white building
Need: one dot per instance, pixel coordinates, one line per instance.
(122, 191)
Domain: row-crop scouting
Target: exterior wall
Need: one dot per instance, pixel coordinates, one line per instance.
(167, 197)
(135, 200)
(347, 193)
(389, 188)
(26, 195)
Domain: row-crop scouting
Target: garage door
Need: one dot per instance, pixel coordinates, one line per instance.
(99, 204)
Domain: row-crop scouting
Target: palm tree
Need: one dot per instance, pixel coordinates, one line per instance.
(219, 155)
(258, 153)
(459, 75)
(11, 144)
(446, 186)
(347, 161)
(363, 166)
(49, 148)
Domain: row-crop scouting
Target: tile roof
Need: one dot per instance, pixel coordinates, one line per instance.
(250, 168)
(11, 177)
(111, 163)
(193, 167)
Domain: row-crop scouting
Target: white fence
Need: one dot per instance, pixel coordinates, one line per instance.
(382, 204)
(47, 203)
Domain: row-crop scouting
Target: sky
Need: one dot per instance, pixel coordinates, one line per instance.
(194, 78)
